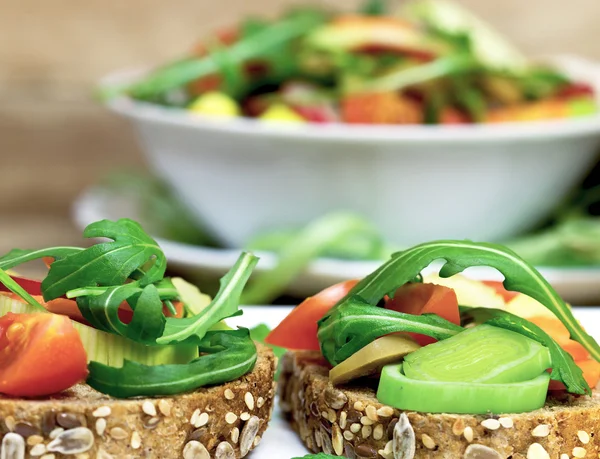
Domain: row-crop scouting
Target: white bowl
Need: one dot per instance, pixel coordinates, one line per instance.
(416, 183)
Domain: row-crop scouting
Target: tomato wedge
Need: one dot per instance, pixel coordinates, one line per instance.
(298, 331)
(420, 299)
(40, 354)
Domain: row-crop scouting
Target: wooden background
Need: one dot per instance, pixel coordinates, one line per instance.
(55, 141)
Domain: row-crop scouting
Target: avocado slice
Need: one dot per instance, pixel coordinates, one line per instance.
(373, 357)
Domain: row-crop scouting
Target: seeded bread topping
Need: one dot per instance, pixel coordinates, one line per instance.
(83, 423)
(350, 421)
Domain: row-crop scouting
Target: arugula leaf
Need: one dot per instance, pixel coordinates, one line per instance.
(102, 312)
(358, 323)
(108, 263)
(10, 284)
(225, 304)
(259, 333)
(228, 356)
(17, 257)
(564, 368)
(303, 248)
(458, 255)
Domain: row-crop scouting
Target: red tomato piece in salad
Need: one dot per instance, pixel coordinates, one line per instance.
(421, 299)
(40, 354)
(298, 331)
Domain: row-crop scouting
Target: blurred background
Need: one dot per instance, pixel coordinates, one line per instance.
(55, 140)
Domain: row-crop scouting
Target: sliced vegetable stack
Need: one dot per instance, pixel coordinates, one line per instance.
(108, 316)
(432, 62)
(432, 355)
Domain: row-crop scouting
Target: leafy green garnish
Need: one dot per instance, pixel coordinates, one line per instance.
(228, 356)
(298, 251)
(224, 305)
(356, 323)
(457, 255)
(108, 263)
(564, 368)
(102, 311)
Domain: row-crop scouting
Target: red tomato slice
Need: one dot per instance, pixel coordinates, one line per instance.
(499, 287)
(298, 331)
(420, 299)
(40, 354)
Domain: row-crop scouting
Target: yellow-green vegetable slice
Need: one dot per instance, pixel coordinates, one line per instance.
(483, 354)
(396, 390)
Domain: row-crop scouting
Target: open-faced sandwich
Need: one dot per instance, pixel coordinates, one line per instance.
(393, 366)
(108, 358)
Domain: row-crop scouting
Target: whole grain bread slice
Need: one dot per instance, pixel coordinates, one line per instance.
(349, 421)
(222, 422)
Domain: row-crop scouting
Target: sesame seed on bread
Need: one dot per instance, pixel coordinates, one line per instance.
(349, 421)
(221, 422)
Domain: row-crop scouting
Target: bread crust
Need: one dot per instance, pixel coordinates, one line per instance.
(227, 419)
(349, 420)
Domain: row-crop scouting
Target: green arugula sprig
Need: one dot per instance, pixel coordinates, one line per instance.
(228, 355)
(225, 304)
(107, 263)
(564, 368)
(130, 268)
(458, 255)
(359, 323)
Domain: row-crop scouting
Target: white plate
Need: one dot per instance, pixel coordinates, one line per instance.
(280, 441)
(576, 285)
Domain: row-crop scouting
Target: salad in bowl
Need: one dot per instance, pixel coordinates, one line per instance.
(431, 62)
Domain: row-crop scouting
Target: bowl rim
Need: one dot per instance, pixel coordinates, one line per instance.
(340, 132)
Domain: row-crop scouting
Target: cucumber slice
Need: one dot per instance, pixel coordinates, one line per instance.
(398, 391)
(483, 354)
(111, 349)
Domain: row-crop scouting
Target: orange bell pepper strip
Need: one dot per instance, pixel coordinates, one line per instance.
(421, 299)
(298, 331)
(559, 333)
